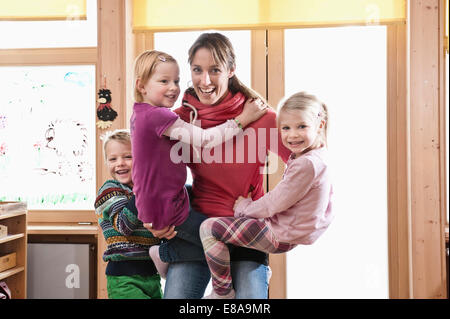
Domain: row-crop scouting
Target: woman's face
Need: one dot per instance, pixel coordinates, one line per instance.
(209, 79)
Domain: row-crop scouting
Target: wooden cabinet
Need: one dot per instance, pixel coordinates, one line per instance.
(13, 248)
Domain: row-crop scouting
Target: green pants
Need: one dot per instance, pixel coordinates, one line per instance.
(134, 287)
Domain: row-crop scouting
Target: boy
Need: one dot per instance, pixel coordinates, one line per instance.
(130, 272)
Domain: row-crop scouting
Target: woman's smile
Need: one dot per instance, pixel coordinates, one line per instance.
(206, 90)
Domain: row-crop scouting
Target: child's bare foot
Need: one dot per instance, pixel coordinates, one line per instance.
(214, 295)
(160, 265)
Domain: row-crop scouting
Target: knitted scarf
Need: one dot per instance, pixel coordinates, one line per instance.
(213, 115)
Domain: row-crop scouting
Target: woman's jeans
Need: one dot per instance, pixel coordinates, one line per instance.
(186, 245)
(188, 280)
(188, 274)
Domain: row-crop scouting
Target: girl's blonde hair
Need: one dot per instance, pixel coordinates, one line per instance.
(121, 135)
(144, 67)
(223, 54)
(311, 105)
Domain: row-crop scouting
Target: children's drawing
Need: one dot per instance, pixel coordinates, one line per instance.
(80, 79)
(85, 171)
(4, 159)
(66, 137)
(2, 121)
(47, 136)
(3, 149)
(67, 142)
(35, 89)
(37, 146)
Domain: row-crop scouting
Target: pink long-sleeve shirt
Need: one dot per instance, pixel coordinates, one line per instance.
(298, 210)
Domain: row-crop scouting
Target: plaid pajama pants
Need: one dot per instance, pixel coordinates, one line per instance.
(216, 232)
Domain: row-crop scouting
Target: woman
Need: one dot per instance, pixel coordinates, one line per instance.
(229, 171)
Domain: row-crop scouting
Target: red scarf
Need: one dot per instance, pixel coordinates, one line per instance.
(213, 115)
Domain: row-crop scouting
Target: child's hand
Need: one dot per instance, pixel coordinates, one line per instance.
(253, 110)
(239, 199)
(166, 232)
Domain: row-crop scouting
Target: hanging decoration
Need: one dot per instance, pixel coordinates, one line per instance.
(105, 112)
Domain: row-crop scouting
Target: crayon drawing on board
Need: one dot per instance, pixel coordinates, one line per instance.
(47, 136)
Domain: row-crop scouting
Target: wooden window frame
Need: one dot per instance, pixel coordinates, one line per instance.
(416, 153)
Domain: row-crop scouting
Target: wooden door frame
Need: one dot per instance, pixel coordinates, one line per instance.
(115, 50)
(425, 58)
(398, 145)
(416, 153)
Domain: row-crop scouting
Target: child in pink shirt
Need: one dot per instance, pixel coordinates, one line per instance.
(297, 211)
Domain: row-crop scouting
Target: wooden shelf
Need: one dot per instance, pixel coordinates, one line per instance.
(11, 237)
(13, 215)
(62, 229)
(8, 273)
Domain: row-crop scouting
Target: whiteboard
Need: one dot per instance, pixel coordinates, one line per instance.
(47, 136)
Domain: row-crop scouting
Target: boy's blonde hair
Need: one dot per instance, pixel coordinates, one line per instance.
(311, 105)
(144, 67)
(121, 135)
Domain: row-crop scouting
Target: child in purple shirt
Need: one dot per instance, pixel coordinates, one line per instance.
(297, 211)
(159, 177)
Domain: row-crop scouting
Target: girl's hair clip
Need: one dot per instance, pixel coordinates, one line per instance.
(163, 59)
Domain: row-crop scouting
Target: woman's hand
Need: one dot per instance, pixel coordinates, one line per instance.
(253, 110)
(166, 232)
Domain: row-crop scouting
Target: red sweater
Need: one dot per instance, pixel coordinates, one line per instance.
(236, 169)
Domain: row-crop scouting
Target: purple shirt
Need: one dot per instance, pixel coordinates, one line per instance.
(161, 198)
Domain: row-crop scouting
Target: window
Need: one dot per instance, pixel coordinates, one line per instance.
(47, 112)
(346, 68)
(47, 136)
(51, 34)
